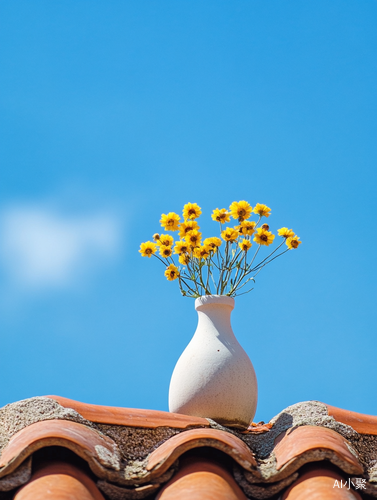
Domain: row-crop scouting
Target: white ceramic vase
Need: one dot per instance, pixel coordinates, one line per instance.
(214, 377)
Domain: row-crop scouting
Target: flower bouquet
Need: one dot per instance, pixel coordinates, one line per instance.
(222, 265)
(214, 376)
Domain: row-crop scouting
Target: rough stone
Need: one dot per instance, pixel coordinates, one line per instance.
(16, 416)
(136, 444)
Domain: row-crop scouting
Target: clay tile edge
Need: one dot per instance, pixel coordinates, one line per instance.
(361, 423)
(82, 440)
(298, 441)
(166, 454)
(131, 417)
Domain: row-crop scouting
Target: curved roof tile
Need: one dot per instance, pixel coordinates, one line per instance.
(201, 480)
(299, 440)
(133, 453)
(168, 452)
(363, 424)
(82, 440)
(131, 417)
(59, 481)
(320, 484)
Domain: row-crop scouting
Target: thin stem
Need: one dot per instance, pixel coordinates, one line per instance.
(230, 266)
(193, 291)
(193, 271)
(244, 293)
(252, 260)
(265, 264)
(243, 284)
(225, 267)
(208, 273)
(272, 253)
(258, 221)
(223, 264)
(234, 288)
(159, 258)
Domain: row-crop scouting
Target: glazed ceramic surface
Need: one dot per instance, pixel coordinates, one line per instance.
(214, 377)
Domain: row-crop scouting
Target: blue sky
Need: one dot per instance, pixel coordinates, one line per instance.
(115, 112)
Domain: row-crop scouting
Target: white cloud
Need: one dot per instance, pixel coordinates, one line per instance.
(41, 248)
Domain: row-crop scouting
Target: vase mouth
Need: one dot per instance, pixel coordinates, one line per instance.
(220, 300)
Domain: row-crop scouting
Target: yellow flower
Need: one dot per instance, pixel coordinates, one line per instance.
(193, 238)
(170, 222)
(165, 251)
(221, 215)
(156, 236)
(165, 240)
(147, 249)
(244, 245)
(264, 237)
(181, 247)
(202, 252)
(191, 211)
(240, 210)
(213, 243)
(229, 234)
(172, 272)
(246, 227)
(216, 241)
(262, 210)
(184, 259)
(285, 232)
(186, 227)
(293, 242)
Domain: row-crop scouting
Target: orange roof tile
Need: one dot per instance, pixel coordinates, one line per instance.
(168, 452)
(200, 479)
(318, 484)
(363, 424)
(131, 417)
(299, 440)
(136, 453)
(76, 437)
(59, 481)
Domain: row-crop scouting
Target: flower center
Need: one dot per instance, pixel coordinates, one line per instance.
(263, 237)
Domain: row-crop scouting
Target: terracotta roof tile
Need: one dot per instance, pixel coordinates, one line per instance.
(131, 417)
(299, 440)
(137, 453)
(168, 452)
(59, 481)
(259, 428)
(84, 441)
(200, 479)
(319, 484)
(363, 424)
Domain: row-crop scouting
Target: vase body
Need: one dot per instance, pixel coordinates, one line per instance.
(214, 377)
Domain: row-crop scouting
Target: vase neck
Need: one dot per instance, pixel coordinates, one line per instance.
(207, 300)
(214, 316)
